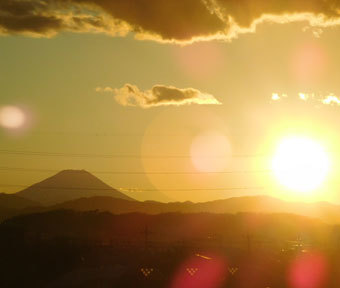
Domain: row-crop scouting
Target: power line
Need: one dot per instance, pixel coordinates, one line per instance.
(105, 134)
(88, 155)
(141, 173)
(146, 190)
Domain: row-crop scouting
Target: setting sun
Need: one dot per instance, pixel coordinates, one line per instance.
(300, 164)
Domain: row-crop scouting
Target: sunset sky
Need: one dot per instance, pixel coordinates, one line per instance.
(201, 91)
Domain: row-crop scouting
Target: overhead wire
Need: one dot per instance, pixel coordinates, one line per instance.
(139, 189)
(19, 169)
(88, 155)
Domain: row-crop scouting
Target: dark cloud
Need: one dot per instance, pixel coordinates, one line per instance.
(176, 19)
(164, 20)
(245, 12)
(47, 18)
(23, 16)
(159, 95)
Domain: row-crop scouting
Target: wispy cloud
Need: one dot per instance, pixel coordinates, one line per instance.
(178, 21)
(329, 99)
(104, 89)
(303, 96)
(159, 95)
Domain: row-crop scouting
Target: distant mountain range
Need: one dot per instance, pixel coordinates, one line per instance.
(12, 205)
(327, 212)
(81, 191)
(12, 201)
(68, 185)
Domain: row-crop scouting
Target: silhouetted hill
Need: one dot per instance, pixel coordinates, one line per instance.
(68, 185)
(13, 201)
(12, 205)
(167, 227)
(258, 204)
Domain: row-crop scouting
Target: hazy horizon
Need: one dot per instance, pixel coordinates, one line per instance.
(71, 183)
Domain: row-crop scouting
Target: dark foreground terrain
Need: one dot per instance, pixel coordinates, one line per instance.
(95, 249)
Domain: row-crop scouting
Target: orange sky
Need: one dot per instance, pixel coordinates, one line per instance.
(204, 100)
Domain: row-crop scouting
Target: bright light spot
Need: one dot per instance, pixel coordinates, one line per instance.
(308, 271)
(331, 99)
(275, 97)
(12, 117)
(303, 96)
(309, 63)
(210, 151)
(300, 164)
(208, 272)
(200, 61)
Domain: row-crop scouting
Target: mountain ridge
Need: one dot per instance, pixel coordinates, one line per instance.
(325, 211)
(79, 190)
(68, 185)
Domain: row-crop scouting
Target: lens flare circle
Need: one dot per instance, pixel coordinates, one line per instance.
(300, 164)
(308, 271)
(210, 151)
(12, 117)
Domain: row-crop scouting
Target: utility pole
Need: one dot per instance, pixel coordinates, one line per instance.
(146, 236)
(249, 239)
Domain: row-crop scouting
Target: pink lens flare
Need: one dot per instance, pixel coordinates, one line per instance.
(309, 63)
(309, 270)
(200, 61)
(201, 272)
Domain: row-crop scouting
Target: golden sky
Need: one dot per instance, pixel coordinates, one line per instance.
(168, 100)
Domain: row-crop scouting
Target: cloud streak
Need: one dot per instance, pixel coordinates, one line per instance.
(331, 100)
(161, 20)
(313, 98)
(159, 95)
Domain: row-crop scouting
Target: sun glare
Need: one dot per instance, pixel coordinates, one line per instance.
(300, 164)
